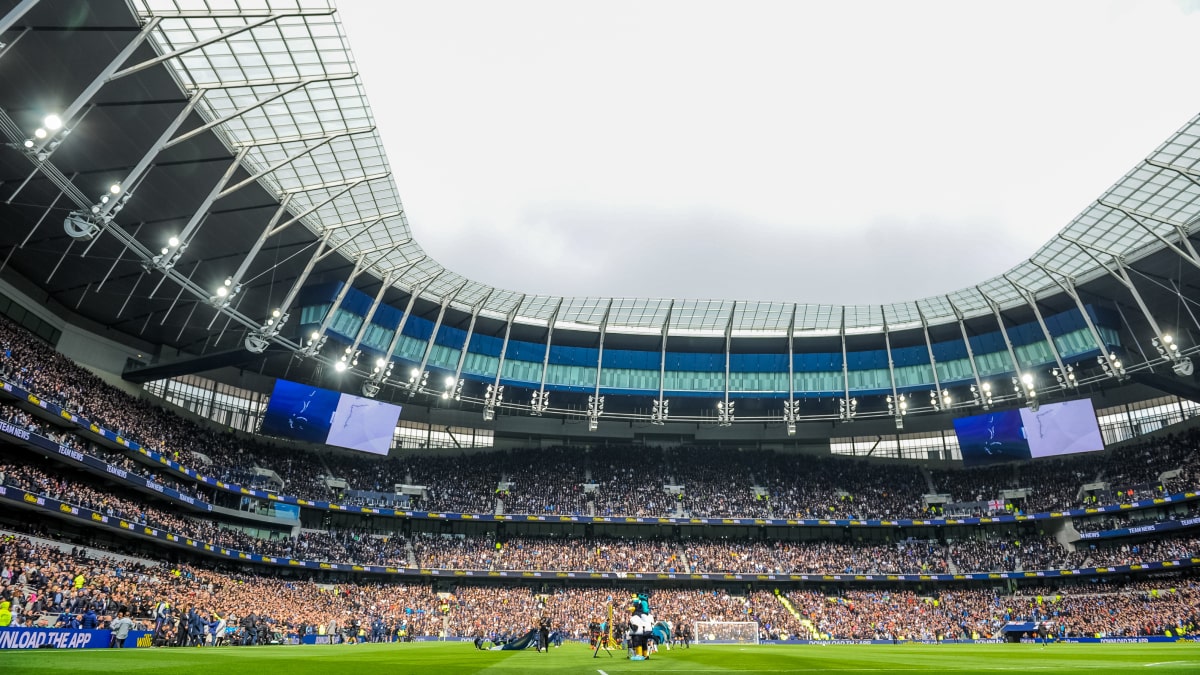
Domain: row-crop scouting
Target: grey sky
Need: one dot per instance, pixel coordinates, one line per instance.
(856, 152)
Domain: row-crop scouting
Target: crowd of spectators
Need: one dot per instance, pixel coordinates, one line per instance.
(45, 583)
(690, 555)
(627, 480)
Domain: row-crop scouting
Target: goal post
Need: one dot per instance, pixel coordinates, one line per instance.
(726, 632)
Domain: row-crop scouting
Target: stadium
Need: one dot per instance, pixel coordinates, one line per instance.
(247, 422)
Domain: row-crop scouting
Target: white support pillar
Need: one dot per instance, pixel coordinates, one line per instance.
(541, 398)
(941, 399)
(596, 402)
(725, 407)
(421, 376)
(1065, 375)
(1024, 383)
(660, 408)
(462, 355)
(494, 396)
(791, 410)
(14, 15)
(897, 406)
(982, 391)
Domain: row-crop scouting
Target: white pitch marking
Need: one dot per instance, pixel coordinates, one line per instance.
(1171, 663)
(601, 672)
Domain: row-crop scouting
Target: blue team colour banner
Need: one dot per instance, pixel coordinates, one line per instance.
(64, 638)
(18, 393)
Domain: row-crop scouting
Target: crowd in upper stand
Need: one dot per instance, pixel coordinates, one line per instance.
(47, 477)
(628, 480)
(48, 586)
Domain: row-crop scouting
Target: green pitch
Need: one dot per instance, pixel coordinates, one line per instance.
(462, 657)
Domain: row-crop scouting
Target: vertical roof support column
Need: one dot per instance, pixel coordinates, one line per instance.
(1024, 384)
(897, 406)
(1107, 359)
(377, 377)
(596, 401)
(847, 407)
(940, 399)
(659, 411)
(725, 415)
(1063, 373)
(791, 409)
(362, 330)
(419, 377)
(494, 394)
(981, 391)
(541, 398)
(462, 355)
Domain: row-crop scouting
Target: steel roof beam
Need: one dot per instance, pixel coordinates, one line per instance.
(962, 327)
(1031, 300)
(1189, 255)
(1067, 284)
(244, 109)
(462, 355)
(154, 20)
(14, 15)
(540, 397)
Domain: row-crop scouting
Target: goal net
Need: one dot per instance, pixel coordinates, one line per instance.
(726, 632)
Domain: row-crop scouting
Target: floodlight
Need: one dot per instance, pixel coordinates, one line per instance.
(28, 143)
(39, 132)
(174, 241)
(221, 292)
(52, 122)
(115, 188)
(275, 313)
(339, 366)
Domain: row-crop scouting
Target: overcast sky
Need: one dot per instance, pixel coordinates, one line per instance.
(840, 152)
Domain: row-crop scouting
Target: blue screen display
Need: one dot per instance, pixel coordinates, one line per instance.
(992, 438)
(299, 411)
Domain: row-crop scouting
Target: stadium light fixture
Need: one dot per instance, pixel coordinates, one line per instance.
(115, 188)
(982, 395)
(595, 408)
(492, 398)
(340, 365)
(659, 411)
(539, 403)
(1065, 377)
(725, 413)
(52, 122)
(39, 133)
(791, 411)
(847, 409)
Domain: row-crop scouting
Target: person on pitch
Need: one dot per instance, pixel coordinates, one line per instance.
(641, 625)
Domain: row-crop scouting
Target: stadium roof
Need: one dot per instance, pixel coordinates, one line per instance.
(1154, 201)
(280, 91)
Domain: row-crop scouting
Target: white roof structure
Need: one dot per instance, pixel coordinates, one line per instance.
(301, 52)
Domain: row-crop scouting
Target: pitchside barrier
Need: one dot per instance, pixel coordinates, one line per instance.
(63, 638)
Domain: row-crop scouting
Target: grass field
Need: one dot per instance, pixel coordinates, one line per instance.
(447, 658)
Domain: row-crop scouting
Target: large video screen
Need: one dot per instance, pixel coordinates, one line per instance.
(307, 413)
(1062, 428)
(1008, 435)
